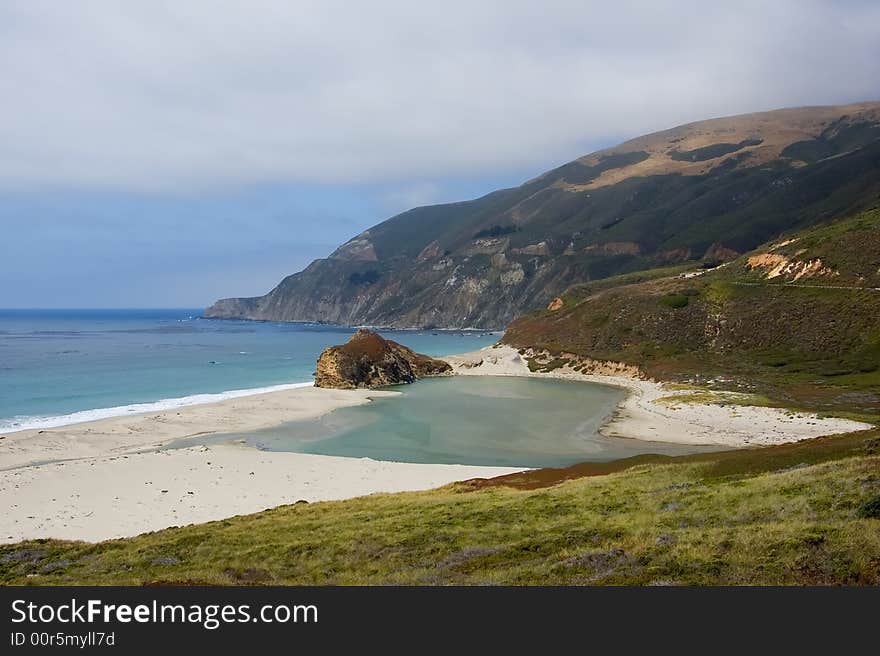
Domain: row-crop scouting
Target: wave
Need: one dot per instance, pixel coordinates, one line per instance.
(16, 424)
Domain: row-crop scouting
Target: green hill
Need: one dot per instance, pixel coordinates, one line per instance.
(796, 319)
(706, 191)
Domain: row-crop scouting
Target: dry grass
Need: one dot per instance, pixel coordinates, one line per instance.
(777, 130)
(748, 517)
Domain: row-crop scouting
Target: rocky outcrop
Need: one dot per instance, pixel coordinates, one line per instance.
(775, 265)
(232, 308)
(369, 360)
(573, 363)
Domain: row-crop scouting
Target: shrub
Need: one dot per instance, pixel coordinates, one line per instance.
(674, 301)
(365, 278)
(870, 509)
(496, 231)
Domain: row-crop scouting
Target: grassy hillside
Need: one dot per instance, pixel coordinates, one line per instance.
(796, 320)
(707, 191)
(806, 513)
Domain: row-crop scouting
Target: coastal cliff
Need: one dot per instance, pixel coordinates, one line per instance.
(701, 193)
(369, 360)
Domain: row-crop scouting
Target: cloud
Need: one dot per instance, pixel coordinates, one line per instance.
(412, 195)
(180, 96)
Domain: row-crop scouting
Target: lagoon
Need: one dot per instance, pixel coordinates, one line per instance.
(473, 420)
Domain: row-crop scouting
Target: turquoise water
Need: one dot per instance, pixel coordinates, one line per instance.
(63, 366)
(468, 420)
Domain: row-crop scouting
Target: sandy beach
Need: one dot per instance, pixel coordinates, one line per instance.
(647, 415)
(147, 431)
(105, 479)
(96, 499)
(108, 478)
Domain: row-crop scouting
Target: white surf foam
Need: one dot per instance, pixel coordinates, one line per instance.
(29, 423)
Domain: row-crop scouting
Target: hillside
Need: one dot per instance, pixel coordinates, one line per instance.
(803, 513)
(796, 320)
(706, 191)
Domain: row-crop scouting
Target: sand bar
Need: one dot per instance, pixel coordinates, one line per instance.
(105, 479)
(145, 431)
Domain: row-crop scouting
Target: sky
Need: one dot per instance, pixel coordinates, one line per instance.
(165, 154)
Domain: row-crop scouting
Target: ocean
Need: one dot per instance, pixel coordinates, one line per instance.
(60, 367)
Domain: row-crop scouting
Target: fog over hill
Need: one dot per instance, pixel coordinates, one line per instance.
(703, 192)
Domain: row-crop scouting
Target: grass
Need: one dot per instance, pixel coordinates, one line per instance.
(777, 515)
(811, 348)
(704, 396)
(581, 291)
(674, 301)
(536, 365)
(871, 508)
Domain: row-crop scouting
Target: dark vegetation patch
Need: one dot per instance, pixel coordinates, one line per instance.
(674, 301)
(496, 231)
(579, 173)
(54, 566)
(23, 556)
(836, 139)
(870, 509)
(364, 277)
(712, 151)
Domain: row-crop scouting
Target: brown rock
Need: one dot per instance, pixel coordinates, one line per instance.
(541, 248)
(369, 360)
(430, 252)
(555, 304)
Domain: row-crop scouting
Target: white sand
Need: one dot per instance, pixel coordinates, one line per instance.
(131, 433)
(642, 417)
(106, 480)
(100, 498)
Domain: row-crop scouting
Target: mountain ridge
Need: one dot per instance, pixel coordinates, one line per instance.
(705, 191)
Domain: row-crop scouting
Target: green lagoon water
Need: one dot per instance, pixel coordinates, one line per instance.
(472, 420)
